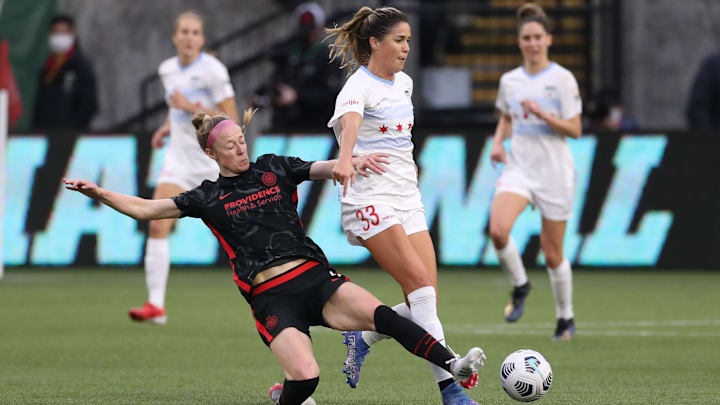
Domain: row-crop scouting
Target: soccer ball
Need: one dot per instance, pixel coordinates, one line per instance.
(525, 375)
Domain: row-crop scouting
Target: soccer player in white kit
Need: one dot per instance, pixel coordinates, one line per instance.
(194, 81)
(540, 107)
(384, 213)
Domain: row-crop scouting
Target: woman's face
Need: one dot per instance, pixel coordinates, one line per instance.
(230, 150)
(393, 49)
(188, 37)
(534, 42)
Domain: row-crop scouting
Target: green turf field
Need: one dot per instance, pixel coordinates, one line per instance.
(644, 337)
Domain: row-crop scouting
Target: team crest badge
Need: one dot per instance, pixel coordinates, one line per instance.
(269, 179)
(271, 322)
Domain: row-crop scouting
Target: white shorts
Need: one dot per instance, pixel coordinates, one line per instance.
(364, 222)
(186, 176)
(553, 200)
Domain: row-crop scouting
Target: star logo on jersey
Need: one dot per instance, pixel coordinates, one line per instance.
(399, 127)
(269, 179)
(383, 129)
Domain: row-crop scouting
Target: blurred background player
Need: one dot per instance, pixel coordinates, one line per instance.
(289, 285)
(384, 213)
(194, 81)
(66, 93)
(540, 107)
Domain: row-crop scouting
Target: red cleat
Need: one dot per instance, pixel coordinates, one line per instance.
(148, 313)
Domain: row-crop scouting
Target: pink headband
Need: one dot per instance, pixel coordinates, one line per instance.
(216, 131)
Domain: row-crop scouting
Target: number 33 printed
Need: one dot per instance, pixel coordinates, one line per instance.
(370, 211)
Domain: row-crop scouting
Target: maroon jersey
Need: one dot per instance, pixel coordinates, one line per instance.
(254, 215)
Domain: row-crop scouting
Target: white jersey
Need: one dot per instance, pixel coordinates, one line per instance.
(387, 111)
(540, 153)
(205, 81)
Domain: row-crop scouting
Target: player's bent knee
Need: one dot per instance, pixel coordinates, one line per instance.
(159, 229)
(304, 370)
(499, 235)
(553, 259)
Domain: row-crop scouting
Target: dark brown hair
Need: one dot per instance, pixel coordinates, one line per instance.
(531, 12)
(204, 124)
(352, 44)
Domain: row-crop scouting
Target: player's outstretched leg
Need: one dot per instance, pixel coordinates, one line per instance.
(514, 309)
(419, 342)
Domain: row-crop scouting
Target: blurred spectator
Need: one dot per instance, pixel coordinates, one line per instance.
(66, 96)
(605, 113)
(304, 85)
(438, 36)
(703, 109)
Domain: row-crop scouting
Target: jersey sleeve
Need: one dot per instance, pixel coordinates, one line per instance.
(501, 102)
(220, 85)
(352, 98)
(570, 98)
(294, 169)
(190, 203)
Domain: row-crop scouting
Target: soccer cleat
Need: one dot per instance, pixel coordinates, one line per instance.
(357, 349)
(148, 313)
(465, 369)
(565, 330)
(514, 308)
(454, 395)
(276, 392)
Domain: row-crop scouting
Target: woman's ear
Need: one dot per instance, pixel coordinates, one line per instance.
(210, 153)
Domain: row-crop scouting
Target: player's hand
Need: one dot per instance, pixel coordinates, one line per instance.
(157, 137)
(372, 162)
(178, 100)
(497, 154)
(532, 107)
(344, 173)
(88, 188)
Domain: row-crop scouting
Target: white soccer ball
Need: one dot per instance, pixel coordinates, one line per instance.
(525, 375)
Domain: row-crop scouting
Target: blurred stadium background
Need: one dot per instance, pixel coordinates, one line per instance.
(645, 230)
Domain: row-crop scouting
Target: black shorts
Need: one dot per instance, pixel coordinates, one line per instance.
(294, 299)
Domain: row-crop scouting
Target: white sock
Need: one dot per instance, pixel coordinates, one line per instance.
(423, 307)
(157, 267)
(512, 264)
(372, 337)
(561, 282)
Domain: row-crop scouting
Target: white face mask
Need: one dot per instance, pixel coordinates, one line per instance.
(60, 43)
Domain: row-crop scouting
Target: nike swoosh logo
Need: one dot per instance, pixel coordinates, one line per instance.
(222, 197)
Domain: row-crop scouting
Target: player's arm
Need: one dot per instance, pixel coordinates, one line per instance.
(571, 128)
(323, 169)
(503, 131)
(135, 207)
(344, 172)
